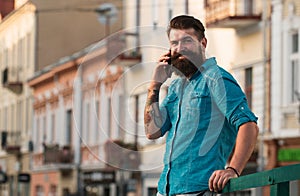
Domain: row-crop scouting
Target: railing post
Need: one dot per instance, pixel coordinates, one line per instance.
(280, 189)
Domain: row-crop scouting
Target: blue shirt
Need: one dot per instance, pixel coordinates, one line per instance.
(202, 116)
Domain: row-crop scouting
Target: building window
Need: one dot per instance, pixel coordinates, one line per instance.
(69, 127)
(39, 190)
(295, 81)
(87, 123)
(44, 128)
(52, 129)
(295, 42)
(53, 190)
(109, 117)
(37, 133)
(152, 191)
(294, 67)
(96, 133)
(248, 85)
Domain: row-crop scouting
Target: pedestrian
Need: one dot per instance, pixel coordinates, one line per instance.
(204, 116)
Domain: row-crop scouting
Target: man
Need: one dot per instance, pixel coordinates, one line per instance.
(205, 114)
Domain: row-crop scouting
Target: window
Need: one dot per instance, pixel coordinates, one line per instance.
(109, 117)
(28, 115)
(96, 135)
(248, 85)
(69, 127)
(295, 81)
(294, 67)
(52, 129)
(37, 133)
(12, 118)
(53, 190)
(39, 190)
(295, 41)
(152, 191)
(20, 115)
(44, 128)
(87, 123)
(248, 9)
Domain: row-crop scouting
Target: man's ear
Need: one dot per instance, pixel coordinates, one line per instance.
(204, 42)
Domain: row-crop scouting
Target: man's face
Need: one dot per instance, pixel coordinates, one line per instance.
(186, 51)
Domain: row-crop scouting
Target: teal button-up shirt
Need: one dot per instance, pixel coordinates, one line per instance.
(202, 118)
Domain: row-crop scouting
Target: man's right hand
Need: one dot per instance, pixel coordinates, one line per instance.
(161, 72)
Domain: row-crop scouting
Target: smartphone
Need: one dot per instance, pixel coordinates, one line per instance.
(169, 70)
(169, 60)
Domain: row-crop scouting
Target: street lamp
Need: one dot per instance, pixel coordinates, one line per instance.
(107, 15)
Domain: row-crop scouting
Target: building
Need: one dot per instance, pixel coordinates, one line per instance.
(250, 34)
(284, 138)
(17, 32)
(75, 121)
(34, 34)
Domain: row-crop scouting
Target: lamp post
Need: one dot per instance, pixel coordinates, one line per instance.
(107, 13)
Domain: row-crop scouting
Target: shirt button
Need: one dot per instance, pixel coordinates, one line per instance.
(242, 107)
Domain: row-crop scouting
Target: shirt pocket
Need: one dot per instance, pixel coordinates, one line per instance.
(195, 110)
(199, 102)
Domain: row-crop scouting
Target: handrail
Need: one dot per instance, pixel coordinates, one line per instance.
(277, 178)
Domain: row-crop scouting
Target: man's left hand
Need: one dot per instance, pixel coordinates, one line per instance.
(219, 178)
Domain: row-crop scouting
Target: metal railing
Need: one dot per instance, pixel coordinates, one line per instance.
(278, 179)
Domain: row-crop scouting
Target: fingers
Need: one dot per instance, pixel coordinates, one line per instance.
(164, 58)
(163, 70)
(219, 179)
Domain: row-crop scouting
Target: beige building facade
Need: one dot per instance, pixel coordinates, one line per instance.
(34, 34)
(17, 32)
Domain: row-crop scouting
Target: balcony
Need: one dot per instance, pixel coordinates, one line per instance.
(54, 157)
(129, 59)
(53, 154)
(11, 80)
(232, 13)
(11, 141)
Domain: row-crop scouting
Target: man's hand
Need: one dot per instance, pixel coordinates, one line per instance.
(219, 178)
(162, 71)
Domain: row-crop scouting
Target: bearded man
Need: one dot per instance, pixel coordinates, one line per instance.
(204, 115)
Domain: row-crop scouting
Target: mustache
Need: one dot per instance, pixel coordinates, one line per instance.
(185, 54)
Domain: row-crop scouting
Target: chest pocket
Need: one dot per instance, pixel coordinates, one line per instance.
(199, 102)
(194, 111)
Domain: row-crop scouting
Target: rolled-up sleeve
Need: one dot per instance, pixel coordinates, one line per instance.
(241, 115)
(231, 100)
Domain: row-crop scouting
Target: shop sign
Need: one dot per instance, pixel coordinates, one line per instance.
(24, 177)
(289, 154)
(99, 177)
(3, 177)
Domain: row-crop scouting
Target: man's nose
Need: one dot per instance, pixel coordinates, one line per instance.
(180, 47)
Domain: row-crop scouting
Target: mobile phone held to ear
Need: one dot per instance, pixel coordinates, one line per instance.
(169, 69)
(169, 60)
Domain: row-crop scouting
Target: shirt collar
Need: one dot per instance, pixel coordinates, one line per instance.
(209, 62)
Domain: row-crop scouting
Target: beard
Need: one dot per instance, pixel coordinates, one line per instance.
(188, 65)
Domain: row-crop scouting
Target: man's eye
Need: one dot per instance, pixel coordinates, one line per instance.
(174, 43)
(187, 41)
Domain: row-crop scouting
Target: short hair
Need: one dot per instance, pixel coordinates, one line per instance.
(187, 22)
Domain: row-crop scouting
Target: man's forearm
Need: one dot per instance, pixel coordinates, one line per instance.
(152, 116)
(245, 144)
